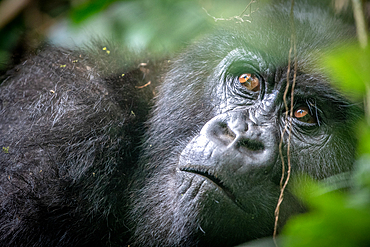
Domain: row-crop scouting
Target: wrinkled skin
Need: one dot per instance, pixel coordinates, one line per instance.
(77, 173)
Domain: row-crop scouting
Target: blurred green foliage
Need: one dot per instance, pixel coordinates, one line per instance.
(86, 9)
(157, 26)
(349, 65)
(335, 219)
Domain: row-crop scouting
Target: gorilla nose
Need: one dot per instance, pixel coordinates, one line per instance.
(239, 132)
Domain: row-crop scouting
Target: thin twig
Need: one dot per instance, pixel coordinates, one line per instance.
(9, 9)
(363, 40)
(240, 18)
(360, 23)
(249, 5)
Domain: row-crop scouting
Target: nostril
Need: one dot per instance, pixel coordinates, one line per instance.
(222, 134)
(250, 144)
(226, 132)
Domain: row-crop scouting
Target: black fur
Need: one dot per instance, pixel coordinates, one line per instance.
(75, 170)
(72, 128)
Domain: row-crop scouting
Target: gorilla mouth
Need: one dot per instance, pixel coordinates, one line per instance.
(216, 181)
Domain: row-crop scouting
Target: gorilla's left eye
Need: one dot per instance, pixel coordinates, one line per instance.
(250, 81)
(303, 114)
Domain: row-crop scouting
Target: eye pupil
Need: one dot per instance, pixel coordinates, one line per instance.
(301, 113)
(250, 81)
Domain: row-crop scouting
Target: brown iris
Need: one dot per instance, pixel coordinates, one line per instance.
(303, 114)
(250, 81)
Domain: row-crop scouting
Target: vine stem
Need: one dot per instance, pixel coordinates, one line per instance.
(363, 40)
(288, 125)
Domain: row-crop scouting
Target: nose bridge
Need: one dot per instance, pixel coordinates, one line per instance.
(238, 123)
(247, 122)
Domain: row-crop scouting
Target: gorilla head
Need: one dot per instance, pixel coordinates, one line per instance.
(212, 154)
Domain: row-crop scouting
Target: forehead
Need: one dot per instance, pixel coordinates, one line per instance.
(240, 57)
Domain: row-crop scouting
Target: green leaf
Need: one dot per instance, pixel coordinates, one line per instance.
(349, 66)
(363, 133)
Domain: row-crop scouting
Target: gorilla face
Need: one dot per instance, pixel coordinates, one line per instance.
(232, 168)
(213, 159)
(224, 170)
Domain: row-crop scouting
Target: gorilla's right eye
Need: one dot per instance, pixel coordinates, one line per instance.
(250, 81)
(303, 114)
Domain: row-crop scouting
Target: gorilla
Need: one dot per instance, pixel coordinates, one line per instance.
(105, 147)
